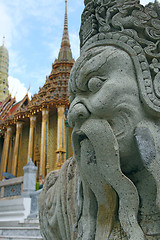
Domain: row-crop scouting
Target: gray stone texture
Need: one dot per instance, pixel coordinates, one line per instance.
(29, 182)
(34, 204)
(28, 229)
(110, 189)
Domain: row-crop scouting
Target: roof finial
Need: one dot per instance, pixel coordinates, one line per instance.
(3, 41)
(65, 19)
(65, 53)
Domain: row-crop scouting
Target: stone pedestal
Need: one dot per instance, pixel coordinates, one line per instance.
(29, 183)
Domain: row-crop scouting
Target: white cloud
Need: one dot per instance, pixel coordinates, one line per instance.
(16, 62)
(74, 41)
(54, 50)
(145, 2)
(42, 10)
(6, 25)
(17, 89)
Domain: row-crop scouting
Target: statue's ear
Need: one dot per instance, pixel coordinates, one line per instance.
(146, 144)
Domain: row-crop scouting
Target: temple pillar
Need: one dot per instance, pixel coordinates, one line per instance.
(10, 158)
(5, 153)
(61, 138)
(19, 126)
(31, 138)
(44, 165)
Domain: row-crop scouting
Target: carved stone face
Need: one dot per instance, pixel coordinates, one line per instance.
(103, 86)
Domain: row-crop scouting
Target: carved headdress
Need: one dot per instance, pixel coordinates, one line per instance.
(134, 28)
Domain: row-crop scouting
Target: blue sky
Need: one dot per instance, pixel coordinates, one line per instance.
(33, 31)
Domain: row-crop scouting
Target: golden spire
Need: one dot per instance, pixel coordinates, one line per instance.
(65, 53)
(4, 65)
(66, 18)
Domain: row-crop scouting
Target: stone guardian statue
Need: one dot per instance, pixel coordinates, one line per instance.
(110, 189)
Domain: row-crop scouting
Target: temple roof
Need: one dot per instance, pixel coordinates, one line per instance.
(5, 106)
(10, 106)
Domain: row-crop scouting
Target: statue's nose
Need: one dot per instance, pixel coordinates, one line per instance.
(77, 113)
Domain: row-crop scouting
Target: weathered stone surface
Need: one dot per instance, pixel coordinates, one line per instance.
(111, 189)
(145, 144)
(29, 183)
(34, 204)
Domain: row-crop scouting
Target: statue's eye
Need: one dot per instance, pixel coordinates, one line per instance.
(71, 98)
(94, 84)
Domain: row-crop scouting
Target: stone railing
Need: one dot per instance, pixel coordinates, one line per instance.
(34, 204)
(18, 198)
(11, 187)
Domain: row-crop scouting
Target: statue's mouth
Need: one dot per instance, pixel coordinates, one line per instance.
(87, 139)
(78, 138)
(81, 138)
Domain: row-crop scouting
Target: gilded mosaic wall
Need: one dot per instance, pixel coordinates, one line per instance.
(52, 142)
(22, 160)
(1, 147)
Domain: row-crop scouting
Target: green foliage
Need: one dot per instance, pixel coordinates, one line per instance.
(37, 186)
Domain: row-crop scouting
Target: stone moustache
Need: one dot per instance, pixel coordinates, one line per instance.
(110, 189)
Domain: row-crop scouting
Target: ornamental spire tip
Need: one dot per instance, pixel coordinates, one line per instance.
(3, 40)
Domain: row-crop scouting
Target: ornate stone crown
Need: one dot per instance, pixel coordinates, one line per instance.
(135, 29)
